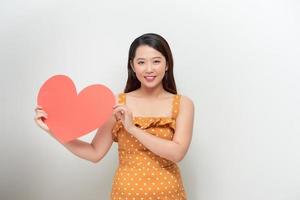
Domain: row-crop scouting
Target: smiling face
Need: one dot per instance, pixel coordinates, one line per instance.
(149, 66)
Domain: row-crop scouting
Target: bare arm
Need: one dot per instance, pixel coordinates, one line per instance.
(103, 139)
(176, 149)
(99, 146)
(81, 149)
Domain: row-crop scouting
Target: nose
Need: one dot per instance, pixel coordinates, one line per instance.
(149, 68)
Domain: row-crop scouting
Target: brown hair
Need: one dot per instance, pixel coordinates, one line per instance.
(160, 44)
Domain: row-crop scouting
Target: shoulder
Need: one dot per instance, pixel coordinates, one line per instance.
(186, 110)
(186, 106)
(186, 101)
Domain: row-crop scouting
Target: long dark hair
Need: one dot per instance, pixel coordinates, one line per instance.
(160, 44)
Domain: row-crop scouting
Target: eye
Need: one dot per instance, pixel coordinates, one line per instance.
(141, 62)
(157, 61)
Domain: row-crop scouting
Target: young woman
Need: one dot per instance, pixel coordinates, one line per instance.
(151, 123)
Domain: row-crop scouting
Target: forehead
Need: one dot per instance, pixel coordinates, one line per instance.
(145, 52)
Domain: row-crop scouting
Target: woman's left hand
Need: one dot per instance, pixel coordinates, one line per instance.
(123, 113)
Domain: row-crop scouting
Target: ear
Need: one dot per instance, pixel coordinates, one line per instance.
(131, 64)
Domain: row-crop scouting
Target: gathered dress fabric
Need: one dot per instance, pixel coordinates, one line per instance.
(141, 174)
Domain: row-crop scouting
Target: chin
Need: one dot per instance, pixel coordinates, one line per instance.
(151, 85)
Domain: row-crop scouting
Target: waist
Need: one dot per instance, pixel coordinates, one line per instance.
(143, 158)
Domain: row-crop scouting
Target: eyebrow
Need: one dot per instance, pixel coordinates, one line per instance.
(152, 58)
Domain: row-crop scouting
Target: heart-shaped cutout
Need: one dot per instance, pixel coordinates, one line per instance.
(71, 115)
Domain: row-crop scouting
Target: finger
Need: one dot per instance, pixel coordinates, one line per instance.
(42, 113)
(39, 110)
(38, 107)
(119, 108)
(117, 118)
(117, 105)
(42, 124)
(38, 121)
(118, 115)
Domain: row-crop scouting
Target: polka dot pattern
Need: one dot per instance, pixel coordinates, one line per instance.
(142, 174)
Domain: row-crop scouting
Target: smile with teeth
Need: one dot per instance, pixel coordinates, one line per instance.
(149, 78)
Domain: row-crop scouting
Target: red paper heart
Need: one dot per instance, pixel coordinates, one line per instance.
(70, 115)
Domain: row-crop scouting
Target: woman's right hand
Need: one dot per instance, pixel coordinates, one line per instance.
(39, 118)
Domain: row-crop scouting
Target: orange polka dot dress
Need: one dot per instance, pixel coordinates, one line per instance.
(141, 174)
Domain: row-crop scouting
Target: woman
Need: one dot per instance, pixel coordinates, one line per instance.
(151, 123)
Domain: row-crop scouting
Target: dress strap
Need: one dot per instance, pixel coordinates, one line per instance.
(122, 98)
(175, 106)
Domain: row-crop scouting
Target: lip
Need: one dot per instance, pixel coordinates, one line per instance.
(146, 77)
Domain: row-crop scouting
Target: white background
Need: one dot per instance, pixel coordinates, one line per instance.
(237, 60)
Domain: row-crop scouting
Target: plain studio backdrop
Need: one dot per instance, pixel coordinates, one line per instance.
(237, 60)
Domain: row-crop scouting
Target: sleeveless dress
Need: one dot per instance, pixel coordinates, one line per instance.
(141, 174)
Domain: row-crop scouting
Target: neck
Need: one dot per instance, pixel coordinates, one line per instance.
(151, 93)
